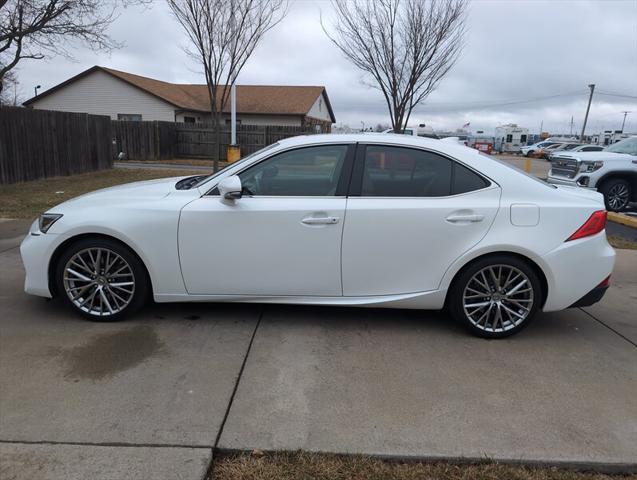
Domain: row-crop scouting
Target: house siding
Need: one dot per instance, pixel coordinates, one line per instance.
(319, 110)
(101, 94)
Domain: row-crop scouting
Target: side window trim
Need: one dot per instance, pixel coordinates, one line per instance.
(343, 181)
(356, 182)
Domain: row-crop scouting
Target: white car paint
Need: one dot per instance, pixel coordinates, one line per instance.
(393, 252)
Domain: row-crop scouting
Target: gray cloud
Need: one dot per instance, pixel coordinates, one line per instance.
(515, 51)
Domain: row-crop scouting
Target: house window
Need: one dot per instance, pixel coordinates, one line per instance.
(131, 117)
(509, 138)
(189, 119)
(522, 138)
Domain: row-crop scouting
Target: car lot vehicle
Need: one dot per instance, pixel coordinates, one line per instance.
(576, 148)
(360, 220)
(546, 152)
(529, 150)
(587, 148)
(613, 172)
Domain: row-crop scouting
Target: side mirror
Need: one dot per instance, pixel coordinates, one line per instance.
(230, 188)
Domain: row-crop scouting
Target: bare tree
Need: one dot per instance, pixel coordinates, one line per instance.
(406, 46)
(34, 29)
(223, 34)
(10, 94)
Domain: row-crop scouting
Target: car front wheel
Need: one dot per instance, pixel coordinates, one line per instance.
(101, 279)
(495, 297)
(617, 194)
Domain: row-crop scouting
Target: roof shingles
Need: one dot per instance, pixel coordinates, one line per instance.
(256, 99)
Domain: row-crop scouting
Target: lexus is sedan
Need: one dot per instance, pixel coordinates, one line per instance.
(386, 221)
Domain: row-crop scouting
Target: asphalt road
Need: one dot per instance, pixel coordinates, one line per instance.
(153, 396)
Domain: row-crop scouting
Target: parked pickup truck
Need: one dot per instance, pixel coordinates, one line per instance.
(612, 172)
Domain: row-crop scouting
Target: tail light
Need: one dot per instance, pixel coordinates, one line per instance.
(595, 224)
(605, 283)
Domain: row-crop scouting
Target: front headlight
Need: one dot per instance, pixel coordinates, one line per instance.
(588, 167)
(48, 219)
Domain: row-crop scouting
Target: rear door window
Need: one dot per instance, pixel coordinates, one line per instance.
(390, 171)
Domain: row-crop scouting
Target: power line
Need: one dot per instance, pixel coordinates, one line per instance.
(616, 95)
(497, 103)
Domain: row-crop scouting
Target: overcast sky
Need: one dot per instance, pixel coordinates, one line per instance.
(517, 53)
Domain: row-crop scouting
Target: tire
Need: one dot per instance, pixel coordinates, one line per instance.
(529, 153)
(617, 194)
(496, 314)
(118, 287)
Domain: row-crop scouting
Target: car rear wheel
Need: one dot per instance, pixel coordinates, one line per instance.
(617, 194)
(495, 297)
(101, 279)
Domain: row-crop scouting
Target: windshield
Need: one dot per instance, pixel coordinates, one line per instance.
(238, 162)
(627, 145)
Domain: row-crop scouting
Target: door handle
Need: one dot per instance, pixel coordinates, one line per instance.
(465, 218)
(320, 220)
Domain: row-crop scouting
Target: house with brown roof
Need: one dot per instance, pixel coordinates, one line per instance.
(125, 96)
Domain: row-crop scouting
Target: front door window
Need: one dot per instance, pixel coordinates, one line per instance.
(304, 172)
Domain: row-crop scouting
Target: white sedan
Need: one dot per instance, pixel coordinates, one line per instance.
(365, 220)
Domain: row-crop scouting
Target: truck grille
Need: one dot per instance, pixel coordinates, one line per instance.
(564, 167)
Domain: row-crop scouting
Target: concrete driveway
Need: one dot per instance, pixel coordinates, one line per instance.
(153, 396)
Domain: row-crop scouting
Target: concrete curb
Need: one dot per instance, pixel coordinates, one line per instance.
(623, 219)
(575, 465)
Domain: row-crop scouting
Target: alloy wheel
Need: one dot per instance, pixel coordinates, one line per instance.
(618, 196)
(498, 298)
(99, 281)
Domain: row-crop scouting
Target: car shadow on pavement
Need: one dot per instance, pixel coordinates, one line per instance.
(432, 321)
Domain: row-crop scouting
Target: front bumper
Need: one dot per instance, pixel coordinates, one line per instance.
(570, 182)
(36, 250)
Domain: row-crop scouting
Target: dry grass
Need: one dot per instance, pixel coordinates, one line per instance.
(621, 242)
(302, 466)
(29, 199)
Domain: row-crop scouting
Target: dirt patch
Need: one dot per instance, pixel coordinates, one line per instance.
(106, 355)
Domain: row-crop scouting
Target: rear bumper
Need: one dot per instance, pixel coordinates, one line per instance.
(594, 296)
(575, 268)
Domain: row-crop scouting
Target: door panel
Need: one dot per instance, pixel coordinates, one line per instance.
(404, 245)
(262, 246)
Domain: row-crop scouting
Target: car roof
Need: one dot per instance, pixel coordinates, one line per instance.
(453, 149)
(362, 137)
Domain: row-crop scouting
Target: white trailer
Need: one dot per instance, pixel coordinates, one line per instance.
(510, 138)
(608, 137)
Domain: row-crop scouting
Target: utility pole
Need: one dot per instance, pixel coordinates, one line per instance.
(571, 134)
(624, 122)
(590, 99)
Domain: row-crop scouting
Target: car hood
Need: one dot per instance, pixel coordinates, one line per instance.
(126, 193)
(592, 156)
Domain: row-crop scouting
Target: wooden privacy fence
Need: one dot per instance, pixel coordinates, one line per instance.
(165, 140)
(144, 140)
(40, 143)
